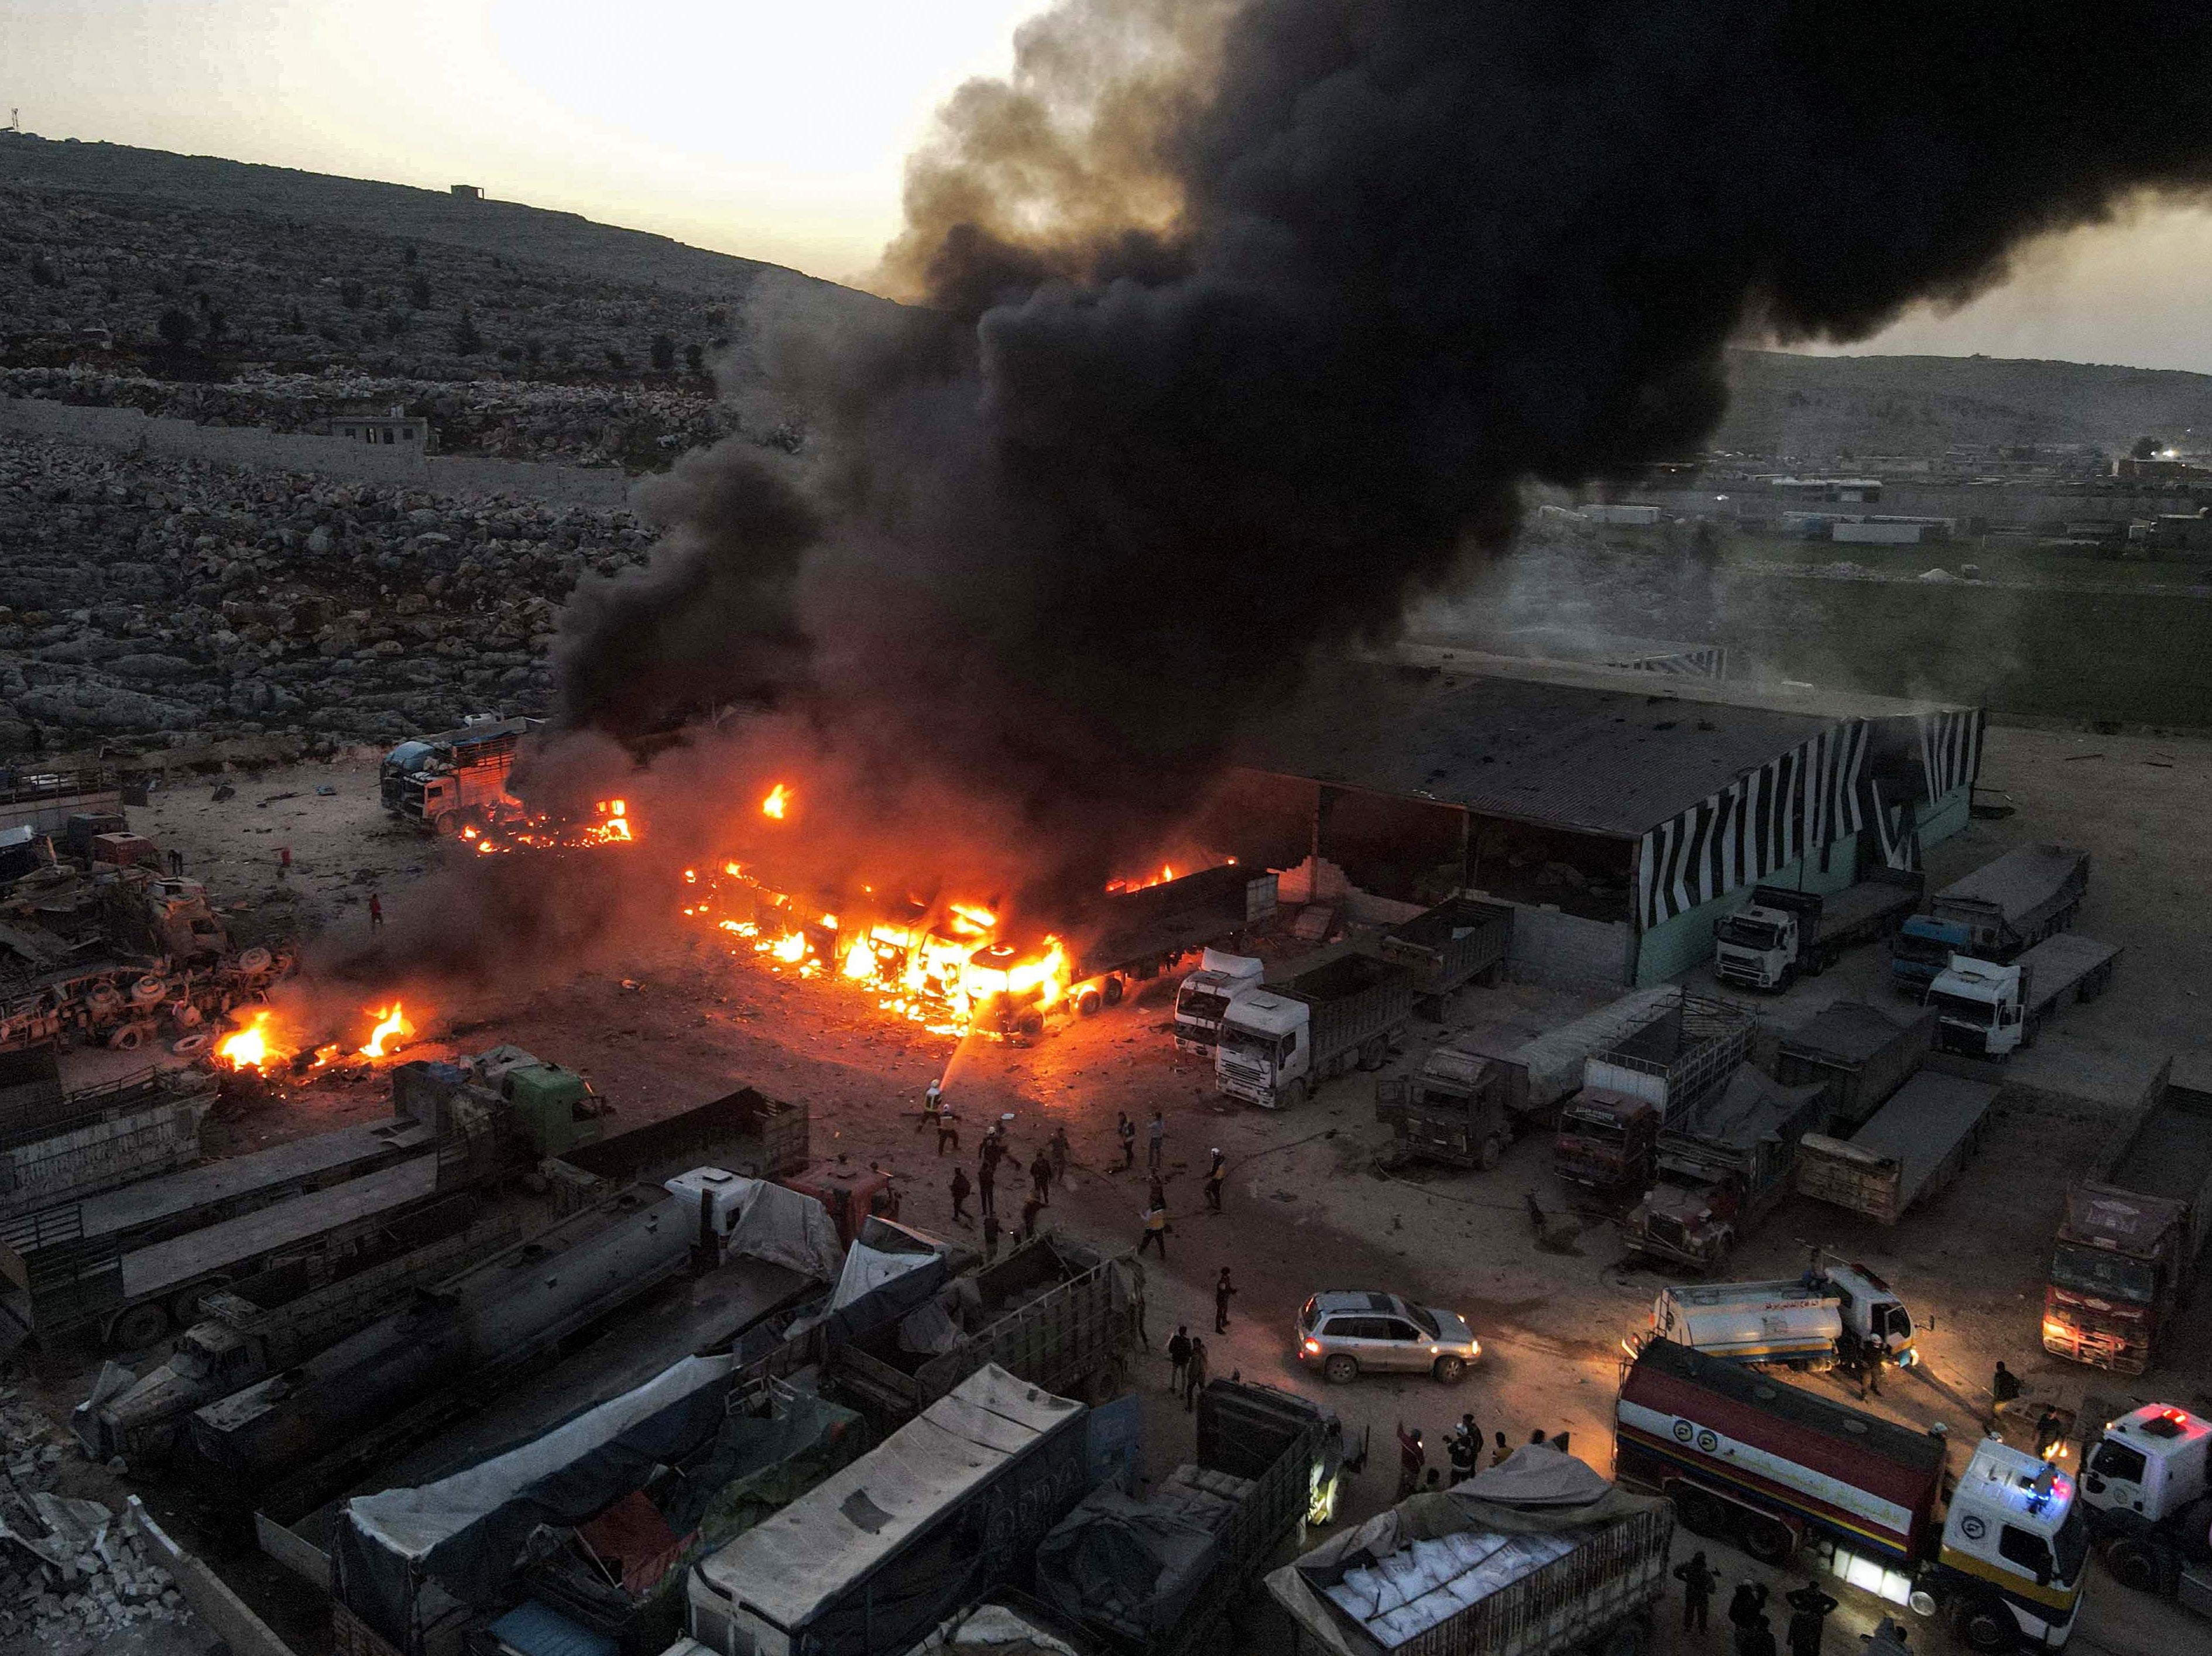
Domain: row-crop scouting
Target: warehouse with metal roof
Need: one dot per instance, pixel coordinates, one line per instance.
(1621, 812)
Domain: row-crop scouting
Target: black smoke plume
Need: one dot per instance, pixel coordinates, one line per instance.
(1239, 326)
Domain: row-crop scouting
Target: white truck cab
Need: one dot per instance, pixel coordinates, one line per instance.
(2015, 1545)
(1267, 1049)
(1204, 996)
(1756, 948)
(2147, 1485)
(1984, 998)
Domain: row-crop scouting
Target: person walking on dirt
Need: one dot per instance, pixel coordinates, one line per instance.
(1155, 1231)
(1137, 1311)
(1127, 1130)
(1057, 1149)
(932, 1106)
(947, 1132)
(1413, 1456)
(1194, 1375)
(1697, 1581)
(1465, 1449)
(2050, 1431)
(1178, 1358)
(960, 1189)
(1808, 1619)
(1748, 1605)
(1156, 1150)
(987, 1176)
(1214, 1177)
(2004, 1384)
(1222, 1290)
(1535, 1214)
(375, 912)
(990, 1235)
(1031, 1209)
(1041, 1179)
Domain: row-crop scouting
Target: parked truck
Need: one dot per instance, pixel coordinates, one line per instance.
(456, 779)
(1538, 1557)
(1461, 1108)
(1318, 1018)
(96, 1138)
(1781, 1472)
(1722, 1168)
(1459, 941)
(1861, 1052)
(870, 1560)
(746, 1132)
(1781, 934)
(1989, 1010)
(1055, 1313)
(1995, 913)
(481, 1324)
(2125, 1259)
(2147, 1487)
(1837, 1310)
(1914, 1146)
(261, 1327)
(1647, 1081)
(1121, 937)
(1202, 998)
(1184, 1557)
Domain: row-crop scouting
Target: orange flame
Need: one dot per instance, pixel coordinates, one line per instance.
(250, 1048)
(777, 802)
(391, 1024)
(791, 947)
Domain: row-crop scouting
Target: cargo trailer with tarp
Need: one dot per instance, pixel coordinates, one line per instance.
(869, 1561)
(593, 1522)
(1535, 1556)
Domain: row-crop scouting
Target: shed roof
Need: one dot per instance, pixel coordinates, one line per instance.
(1599, 759)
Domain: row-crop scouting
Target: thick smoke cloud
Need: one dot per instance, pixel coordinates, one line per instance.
(1241, 326)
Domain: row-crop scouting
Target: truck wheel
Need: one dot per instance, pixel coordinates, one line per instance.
(129, 1038)
(1986, 1626)
(1294, 1095)
(1090, 1003)
(1494, 1150)
(447, 825)
(2134, 1565)
(1374, 1054)
(1112, 990)
(1700, 1514)
(1789, 976)
(1449, 1371)
(1340, 1370)
(139, 1326)
(1031, 1023)
(1768, 1542)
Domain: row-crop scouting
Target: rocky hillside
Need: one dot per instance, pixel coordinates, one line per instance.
(1826, 406)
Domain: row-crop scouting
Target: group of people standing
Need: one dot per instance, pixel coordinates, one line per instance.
(1047, 1168)
(1753, 1632)
(1463, 1449)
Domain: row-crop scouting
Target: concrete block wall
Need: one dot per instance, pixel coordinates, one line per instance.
(128, 429)
(1566, 951)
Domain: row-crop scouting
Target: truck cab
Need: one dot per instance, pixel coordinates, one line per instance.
(2015, 1547)
(1980, 1007)
(1756, 948)
(2113, 1275)
(1204, 997)
(1921, 952)
(2148, 1486)
(1607, 1142)
(1266, 1054)
(1462, 1108)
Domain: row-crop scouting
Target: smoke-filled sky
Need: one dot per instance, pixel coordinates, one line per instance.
(779, 131)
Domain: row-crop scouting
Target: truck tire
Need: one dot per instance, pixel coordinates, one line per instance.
(1985, 1625)
(1492, 1151)
(1701, 1514)
(1340, 1370)
(1767, 1540)
(1449, 1371)
(2134, 1563)
(447, 825)
(185, 1046)
(1376, 1053)
(255, 961)
(1295, 1094)
(1031, 1023)
(1112, 990)
(1089, 1003)
(139, 1326)
(129, 1038)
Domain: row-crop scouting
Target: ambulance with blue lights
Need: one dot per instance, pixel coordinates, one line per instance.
(1786, 1474)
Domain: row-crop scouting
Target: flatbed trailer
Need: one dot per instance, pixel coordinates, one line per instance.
(1458, 941)
(1995, 913)
(746, 1131)
(1913, 1147)
(96, 1138)
(1862, 1052)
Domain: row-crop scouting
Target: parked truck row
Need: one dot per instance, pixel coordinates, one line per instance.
(1781, 933)
(1996, 914)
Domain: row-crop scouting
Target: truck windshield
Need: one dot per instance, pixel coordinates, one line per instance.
(1203, 1005)
(1979, 1014)
(1246, 1045)
(1750, 933)
(2107, 1276)
(1604, 1129)
(1906, 946)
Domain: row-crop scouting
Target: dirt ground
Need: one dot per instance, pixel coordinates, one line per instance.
(1308, 1208)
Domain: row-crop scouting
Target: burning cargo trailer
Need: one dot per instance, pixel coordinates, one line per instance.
(869, 1561)
(586, 1531)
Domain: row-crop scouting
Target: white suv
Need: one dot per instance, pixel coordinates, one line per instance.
(1345, 1334)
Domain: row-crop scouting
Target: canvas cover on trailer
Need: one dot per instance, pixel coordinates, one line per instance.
(466, 1533)
(945, 1509)
(1407, 1571)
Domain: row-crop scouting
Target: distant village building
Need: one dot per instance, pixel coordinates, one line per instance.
(397, 428)
(469, 192)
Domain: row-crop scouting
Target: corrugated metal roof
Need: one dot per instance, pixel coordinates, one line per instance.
(1602, 760)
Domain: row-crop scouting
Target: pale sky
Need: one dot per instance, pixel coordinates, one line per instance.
(776, 130)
